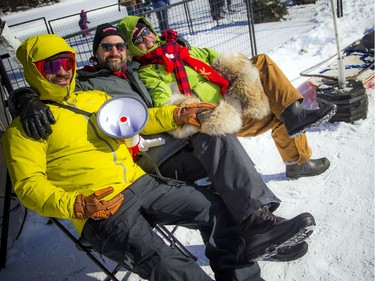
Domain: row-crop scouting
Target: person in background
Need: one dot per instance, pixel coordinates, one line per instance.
(161, 15)
(144, 6)
(113, 205)
(230, 9)
(216, 7)
(287, 118)
(83, 23)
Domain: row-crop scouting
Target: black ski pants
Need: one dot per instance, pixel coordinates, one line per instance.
(128, 238)
(231, 171)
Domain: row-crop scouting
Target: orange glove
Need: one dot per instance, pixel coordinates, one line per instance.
(188, 114)
(94, 207)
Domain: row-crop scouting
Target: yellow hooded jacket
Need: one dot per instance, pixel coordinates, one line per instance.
(77, 158)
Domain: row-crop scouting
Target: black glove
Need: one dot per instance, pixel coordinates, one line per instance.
(36, 117)
(183, 42)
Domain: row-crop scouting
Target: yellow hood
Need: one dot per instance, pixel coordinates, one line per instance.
(41, 47)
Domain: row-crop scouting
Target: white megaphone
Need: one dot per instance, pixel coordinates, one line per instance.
(123, 118)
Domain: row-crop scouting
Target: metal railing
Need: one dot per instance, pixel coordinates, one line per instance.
(192, 19)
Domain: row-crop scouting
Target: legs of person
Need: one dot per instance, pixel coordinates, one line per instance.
(165, 21)
(215, 9)
(131, 10)
(295, 152)
(229, 6)
(162, 16)
(183, 166)
(285, 100)
(128, 238)
(233, 175)
(225, 247)
(291, 150)
(279, 90)
(160, 20)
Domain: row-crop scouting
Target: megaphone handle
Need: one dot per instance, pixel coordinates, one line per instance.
(134, 151)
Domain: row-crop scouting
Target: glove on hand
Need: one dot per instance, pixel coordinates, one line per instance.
(94, 207)
(188, 114)
(36, 117)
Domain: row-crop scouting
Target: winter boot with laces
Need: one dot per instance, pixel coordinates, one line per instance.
(298, 120)
(266, 234)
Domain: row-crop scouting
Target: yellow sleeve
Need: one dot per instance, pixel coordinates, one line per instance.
(160, 120)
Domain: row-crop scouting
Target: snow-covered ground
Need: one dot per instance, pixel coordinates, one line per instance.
(342, 199)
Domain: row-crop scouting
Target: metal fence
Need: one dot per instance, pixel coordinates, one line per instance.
(191, 18)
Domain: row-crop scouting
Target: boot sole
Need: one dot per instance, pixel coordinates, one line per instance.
(301, 230)
(317, 123)
(292, 255)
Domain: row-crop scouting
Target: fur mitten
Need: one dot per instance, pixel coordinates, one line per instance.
(245, 86)
(224, 119)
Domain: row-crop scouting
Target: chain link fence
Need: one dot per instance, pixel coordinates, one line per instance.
(193, 19)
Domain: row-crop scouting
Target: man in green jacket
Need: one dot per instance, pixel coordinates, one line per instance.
(81, 174)
(288, 120)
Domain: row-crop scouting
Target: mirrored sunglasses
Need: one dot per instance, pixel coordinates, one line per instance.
(53, 66)
(107, 47)
(139, 39)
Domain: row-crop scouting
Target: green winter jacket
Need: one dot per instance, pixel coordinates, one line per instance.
(158, 81)
(77, 158)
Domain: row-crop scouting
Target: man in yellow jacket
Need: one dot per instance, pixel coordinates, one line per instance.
(81, 174)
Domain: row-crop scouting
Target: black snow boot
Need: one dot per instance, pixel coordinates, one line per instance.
(266, 234)
(298, 120)
(289, 253)
(312, 167)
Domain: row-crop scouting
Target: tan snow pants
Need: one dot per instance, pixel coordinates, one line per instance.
(281, 94)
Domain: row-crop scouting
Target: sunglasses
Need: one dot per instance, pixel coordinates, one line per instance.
(107, 47)
(139, 39)
(51, 67)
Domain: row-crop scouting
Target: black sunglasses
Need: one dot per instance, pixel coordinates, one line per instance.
(107, 47)
(139, 39)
